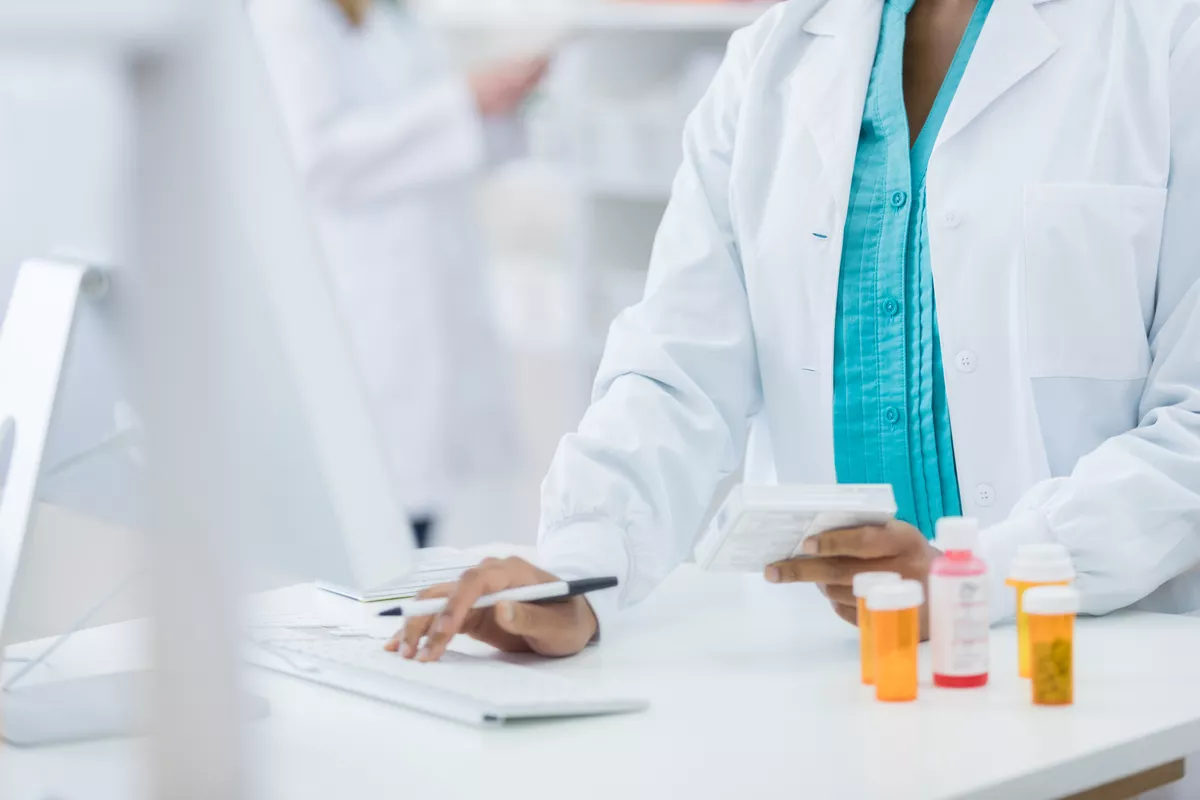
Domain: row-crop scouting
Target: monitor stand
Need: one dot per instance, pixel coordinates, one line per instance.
(97, 707)
(85, 709)
(34, 342)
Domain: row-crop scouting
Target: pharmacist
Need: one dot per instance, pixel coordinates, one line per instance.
(949, 245)
(390, 140)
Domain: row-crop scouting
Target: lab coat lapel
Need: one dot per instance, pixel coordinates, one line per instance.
(1014, 42)
(831, 91)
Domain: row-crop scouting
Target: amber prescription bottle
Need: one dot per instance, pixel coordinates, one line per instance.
(895, 610)
(863, 583)
(1036, 565)
(1051, 611)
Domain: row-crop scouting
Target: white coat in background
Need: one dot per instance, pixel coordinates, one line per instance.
(390, 142)
(1064, 216)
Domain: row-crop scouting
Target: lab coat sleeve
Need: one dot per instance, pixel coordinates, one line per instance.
(1130, 511)
(350, 152)
(626, 494)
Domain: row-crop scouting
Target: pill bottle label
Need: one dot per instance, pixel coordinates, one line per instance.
(958, 625)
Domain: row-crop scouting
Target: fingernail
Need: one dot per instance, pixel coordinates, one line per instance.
(425, 654)
(809, 547)
(774, 575)
(410, 650)
(505, 612)
(392, 646)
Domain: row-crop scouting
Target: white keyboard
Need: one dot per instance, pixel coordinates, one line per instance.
(480, 691)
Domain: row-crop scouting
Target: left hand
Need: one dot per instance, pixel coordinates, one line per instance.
(842, 554)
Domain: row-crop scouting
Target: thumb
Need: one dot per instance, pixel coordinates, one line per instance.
(552, 630)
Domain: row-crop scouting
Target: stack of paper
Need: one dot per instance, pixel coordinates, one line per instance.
(434, 565)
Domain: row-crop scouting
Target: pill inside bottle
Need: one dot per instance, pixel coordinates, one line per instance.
(1051, 612)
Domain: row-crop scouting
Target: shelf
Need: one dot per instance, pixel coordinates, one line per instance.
(673, 16)
(135, 24)
(717, 17)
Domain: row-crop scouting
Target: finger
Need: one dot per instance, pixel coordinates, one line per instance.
(839, 594)
(497, 575)
(415, 629)
(551, 630)
(848, 613)
(473, 584)
(408, 638)
(836, 571)
(865, 542)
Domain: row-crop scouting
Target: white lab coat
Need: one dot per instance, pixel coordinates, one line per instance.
(1064, 210)
(389, 141)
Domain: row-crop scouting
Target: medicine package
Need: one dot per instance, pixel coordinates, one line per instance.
(759, 525)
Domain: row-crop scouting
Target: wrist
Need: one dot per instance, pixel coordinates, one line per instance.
(588, 548)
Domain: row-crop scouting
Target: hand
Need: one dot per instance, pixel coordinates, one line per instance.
(551, 629)
(896, 547)
(501, 89)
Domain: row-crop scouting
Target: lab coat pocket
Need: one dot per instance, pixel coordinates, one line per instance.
(1091, 260)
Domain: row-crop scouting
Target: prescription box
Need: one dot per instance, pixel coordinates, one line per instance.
(759, 525)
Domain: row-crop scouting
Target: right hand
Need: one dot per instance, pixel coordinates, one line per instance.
(500, 90)
(550, 629)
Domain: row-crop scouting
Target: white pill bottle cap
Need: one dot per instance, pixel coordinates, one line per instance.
(957, 533)
(1051, 600)
(896, 596)
(864, 582)
(1042, 563)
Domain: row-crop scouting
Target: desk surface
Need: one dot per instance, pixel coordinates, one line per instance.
(754, 693)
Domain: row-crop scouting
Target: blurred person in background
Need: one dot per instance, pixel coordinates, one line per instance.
(389, 139)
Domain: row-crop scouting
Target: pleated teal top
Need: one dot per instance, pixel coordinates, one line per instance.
(891, 421)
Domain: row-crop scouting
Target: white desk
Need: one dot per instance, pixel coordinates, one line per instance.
(755, 694)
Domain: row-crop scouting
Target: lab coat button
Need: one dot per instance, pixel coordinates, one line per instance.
(891, 306)
(892, 415)
(899, 199)
(952, 219)
(965, 361)
(985, 495)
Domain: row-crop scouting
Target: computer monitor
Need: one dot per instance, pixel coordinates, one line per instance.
(317, 496)
(259, 439)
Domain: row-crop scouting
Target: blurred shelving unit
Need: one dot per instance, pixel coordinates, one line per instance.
(611, 117)
(670, 15)
(723, 17)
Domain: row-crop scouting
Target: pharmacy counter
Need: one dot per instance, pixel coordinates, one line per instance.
(755, 694)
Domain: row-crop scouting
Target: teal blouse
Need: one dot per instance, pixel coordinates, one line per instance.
(891, 421)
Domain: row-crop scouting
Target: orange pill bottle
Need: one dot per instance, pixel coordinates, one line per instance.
(895, 610)
(1036, 565)
(863, 583)
(1051, 614)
